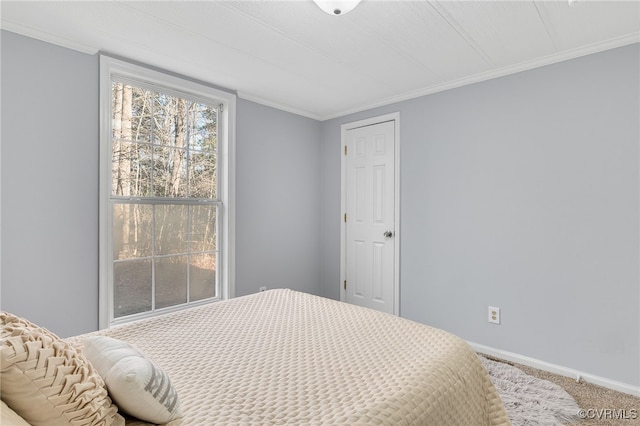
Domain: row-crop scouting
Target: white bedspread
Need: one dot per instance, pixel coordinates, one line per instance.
(285, 357)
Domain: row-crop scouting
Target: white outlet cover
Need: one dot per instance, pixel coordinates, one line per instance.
(494, 315)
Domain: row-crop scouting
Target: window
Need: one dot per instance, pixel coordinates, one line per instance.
(165, 193)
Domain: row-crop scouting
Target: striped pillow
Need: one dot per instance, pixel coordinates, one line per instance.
(137, 385)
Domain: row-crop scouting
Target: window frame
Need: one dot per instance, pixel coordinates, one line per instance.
(172, 84)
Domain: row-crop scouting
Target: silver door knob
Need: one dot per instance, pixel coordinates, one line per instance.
(388, 234)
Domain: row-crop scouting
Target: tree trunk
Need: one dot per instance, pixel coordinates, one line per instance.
(121, 146)
(180, 141)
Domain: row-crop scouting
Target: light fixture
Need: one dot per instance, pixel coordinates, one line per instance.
(337, 7)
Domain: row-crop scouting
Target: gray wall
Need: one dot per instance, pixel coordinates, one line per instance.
(520, 192)
(50, 175)
(278, 217)
(49, 184)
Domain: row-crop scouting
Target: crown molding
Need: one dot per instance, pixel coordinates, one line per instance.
(476, 78)
(47, 37)
(501, 72)
(285, 108)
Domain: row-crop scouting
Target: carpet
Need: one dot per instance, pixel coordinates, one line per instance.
(529, 400)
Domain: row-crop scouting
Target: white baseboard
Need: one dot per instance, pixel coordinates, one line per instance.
(556, 369)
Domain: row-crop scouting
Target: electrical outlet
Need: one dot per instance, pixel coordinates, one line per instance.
(494, 315)
(263, 288)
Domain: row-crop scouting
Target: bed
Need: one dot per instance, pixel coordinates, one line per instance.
(286, 357)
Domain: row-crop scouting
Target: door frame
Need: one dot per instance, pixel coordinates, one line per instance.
(395, 117)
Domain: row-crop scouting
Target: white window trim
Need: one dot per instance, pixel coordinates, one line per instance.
(226, 145)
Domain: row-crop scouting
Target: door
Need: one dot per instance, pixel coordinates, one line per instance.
(370, 208)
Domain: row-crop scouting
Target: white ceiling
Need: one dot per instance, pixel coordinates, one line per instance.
(291, 55)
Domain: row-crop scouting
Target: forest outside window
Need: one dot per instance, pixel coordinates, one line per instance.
(166, 227)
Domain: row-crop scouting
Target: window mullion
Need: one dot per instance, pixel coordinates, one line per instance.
(153, 258)
(167, 200)
(189, 230)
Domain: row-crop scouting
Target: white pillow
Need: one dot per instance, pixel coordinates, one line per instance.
(135, 383)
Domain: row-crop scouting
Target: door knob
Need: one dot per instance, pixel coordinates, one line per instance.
(388, 234)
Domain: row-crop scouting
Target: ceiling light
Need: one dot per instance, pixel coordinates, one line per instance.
(337, 7)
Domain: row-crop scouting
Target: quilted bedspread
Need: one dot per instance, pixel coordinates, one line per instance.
(285, 357)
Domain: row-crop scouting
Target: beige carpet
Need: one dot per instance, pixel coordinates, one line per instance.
(594, 399)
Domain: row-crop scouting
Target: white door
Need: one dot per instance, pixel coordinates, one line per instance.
(369, 248)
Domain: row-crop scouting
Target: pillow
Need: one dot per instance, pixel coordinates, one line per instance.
(137, 385)
(47, 381)
(8, 417)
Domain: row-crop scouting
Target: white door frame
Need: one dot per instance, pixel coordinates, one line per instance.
(343, 202)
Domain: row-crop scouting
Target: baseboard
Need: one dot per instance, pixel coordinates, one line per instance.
(556, 369)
